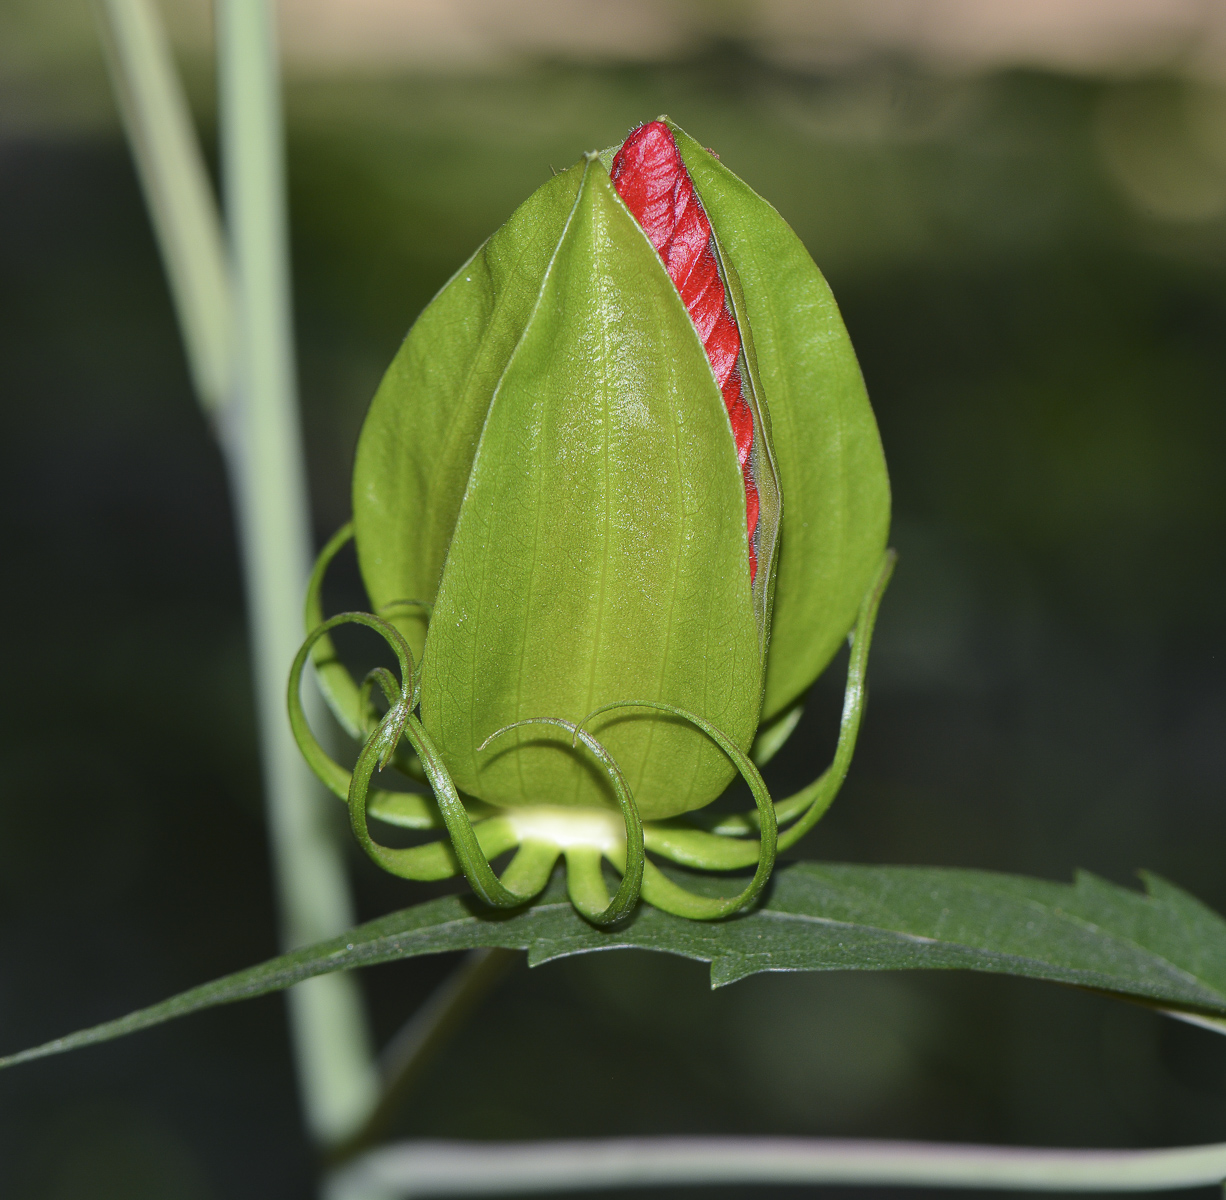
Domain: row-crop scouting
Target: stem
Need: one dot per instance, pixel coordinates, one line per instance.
(414, 1169)
(424, 1034)
(240, 351)
(175, 182)
(263, 444)
(239, 342)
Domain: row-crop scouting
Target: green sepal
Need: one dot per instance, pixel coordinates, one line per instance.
(661, 892)
(600, 550)
(341, 691)
(595, 904)
(774, 734)
(420, 437)
(714, 846)
(832, 474)
(336, 684)
(406, 809)
(826, 787)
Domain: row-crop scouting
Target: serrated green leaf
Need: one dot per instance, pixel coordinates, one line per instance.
(832, 474)
(1162, 947)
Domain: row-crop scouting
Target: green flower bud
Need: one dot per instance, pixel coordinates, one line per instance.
(622, 478)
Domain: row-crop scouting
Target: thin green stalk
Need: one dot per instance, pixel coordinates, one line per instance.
(424, 1034)
(238, 337)
(418, 1169)
(263, 442)
(176, 187)
(241, 364)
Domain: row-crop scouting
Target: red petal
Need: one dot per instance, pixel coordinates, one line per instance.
(652, 180)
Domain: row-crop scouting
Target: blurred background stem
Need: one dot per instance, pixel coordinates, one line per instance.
(175, 181)
(419, 1169)
(239, 338)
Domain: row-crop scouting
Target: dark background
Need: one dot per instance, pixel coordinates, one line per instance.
(1044, 351)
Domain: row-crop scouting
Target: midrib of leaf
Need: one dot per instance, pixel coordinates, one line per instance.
(810, 919)
(1004, 956)
(1054, 912)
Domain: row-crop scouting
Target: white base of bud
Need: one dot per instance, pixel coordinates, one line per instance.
(568, 828)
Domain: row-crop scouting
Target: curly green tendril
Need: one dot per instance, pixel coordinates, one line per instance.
(585, 839)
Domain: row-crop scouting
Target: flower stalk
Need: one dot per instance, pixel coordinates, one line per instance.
(233, 306)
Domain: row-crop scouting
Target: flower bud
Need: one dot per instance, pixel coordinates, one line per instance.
(626, 456)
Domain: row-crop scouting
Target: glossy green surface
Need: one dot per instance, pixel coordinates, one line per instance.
(832, 474)
(421, 433)
(557, 398)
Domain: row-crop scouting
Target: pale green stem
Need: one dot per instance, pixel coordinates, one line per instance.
(418, 1169)
(238, 337)
(263, 443)
(239, 347)
(176, 186)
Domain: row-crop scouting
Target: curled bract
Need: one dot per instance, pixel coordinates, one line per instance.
(616, 503)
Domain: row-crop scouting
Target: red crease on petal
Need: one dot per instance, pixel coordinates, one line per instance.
(652, 180)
